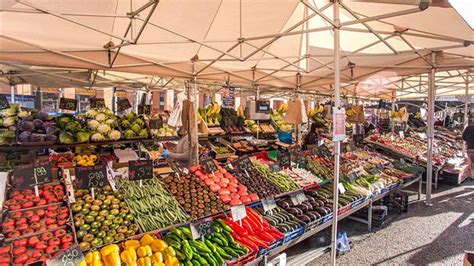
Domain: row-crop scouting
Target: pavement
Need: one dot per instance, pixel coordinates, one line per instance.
(436, 235)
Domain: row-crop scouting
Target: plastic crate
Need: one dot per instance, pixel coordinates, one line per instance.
(358, 202)
(313, 224)
(344, 209)
(275, 244)
(327, 218)
(294, 234)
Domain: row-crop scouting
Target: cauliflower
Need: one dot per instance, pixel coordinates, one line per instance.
(91, 113)
(97, 137)
(114, 135)
(100, 117)
(111, 122)
(104, 129)
(93, 124)
(108, 112)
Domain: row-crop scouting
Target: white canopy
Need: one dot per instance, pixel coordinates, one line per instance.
(266, 42)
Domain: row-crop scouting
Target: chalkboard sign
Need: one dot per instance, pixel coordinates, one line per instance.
(97, 102)
(204, 227)
(144, 109)
(284, 159)
(156, 123)
(324, 151)
(301, 161)
(353, 176)
(67, 257)
(91, 176)
(32, 175)
(274, 167)
(68, 104)
(123, 104)
(262, 106)
(4, 104)
(140, 169)
(209, 166)
(313, 149)
(243, 165)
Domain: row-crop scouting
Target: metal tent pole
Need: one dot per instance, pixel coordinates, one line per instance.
(431, 103)
(337, 144)
(393, 111)
(297, 95)
(466, 100)
(12, 92)
(193, 127)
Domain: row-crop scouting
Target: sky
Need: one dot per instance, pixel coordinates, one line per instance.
(466, 9)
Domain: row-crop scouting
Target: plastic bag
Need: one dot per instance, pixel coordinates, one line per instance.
(294, 114)
(175, 116)
(342, 242)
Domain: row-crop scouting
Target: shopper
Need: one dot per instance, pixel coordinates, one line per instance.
(181, 153)
(312, 137)
(468, 137)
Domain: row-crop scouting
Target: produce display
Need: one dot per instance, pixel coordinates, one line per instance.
(303, 177)
(230, 121)
(165, 131)
(226, 185)
(320, 166)
(278, 119)
(194, 196)
(252, 126)
(313, 208)
(36, 127)
(103, 124)
(72, 131)
(24, 199)
(152, 206)
(279, 179)
(210, 115)
(102, 220)
(8, 122)
(258, 184)
(254, 232)
(133, 126)
(281, 219)
(213, 249)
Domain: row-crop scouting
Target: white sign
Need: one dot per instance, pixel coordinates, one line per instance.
(268, 204)
(339, 124)
(402, 134)
(341, 188)
(422, 135)
(298, 198)
(238, 212)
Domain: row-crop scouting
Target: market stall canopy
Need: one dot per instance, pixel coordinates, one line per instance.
(265, 42)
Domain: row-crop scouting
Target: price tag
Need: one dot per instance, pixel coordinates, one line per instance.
(380, 166)
(353, 176)
(243, 165)
(209, 166)
(298, 198)
(313, 149)
(402, 160)
(324, 151)
(392, 138)
(32, 175)
(301, 161)
(156, 123)
(341, 188)
(238, 212)
(68, 104)
(274, 167)
(123, 104)
(144, 109)
(140, 169)
(284, 159)
(205, 227)
(97, 102)
(402, 134)
(422, 135)
(268, 204)
(4, 104)
(91, 176)
(320, 142)
(69, 257)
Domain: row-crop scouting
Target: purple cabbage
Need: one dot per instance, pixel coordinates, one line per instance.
(41, 116)
(38, 124)
(26, 126)
(25, 136)
(51, 138)
(52, 130)
(37, 137)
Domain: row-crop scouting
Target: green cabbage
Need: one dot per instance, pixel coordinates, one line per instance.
(136, 128)
(66, 137)
(128, 134)
(82, 136)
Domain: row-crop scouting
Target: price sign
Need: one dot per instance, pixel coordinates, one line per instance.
(284, 159)
(204, 227)
(243, 165)
(209, 166)
(68, 104)
(123, 104)
(301, 161)
(374, 171)
(341, 188)
(97, 102)
(422, 136)
(298, 198)
(32, 175)
(268, 204)
(140, 169)
(380, 166)
(353, 176)
(402, 134)
(91, 176)
(313, 149)
(144, 109)
(274, 167)
(4, 104)
(69, 257)
(156, 123)
(238, 212)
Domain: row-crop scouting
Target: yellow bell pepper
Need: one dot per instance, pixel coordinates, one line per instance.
(113, 259)
(157, 257)
(144, 261)
(112, 248)
(172, 261)
(132, 264)
(135, 244)
(133, 253)
(97, 263)
(147, 239)
(144, 251)
(158, 245)
(82, 263)
(126, 257)
(92, 256)
(158, 264)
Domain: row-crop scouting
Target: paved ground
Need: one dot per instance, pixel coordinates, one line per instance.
(435, 235)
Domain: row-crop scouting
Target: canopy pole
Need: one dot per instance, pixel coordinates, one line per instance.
(297, 95)
(466, 101)
(431, 103)
(12, 92)
(193, 127)
(337, 144)
(393, 111)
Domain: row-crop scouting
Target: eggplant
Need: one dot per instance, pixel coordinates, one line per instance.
(322, 211)
(304, 218)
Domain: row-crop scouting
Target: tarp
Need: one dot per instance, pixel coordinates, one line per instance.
(266, 42)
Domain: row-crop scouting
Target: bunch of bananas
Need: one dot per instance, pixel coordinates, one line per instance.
(316, 111)
(283, 108)
(210, 115)
(240, 111)
(351, 112)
